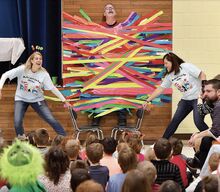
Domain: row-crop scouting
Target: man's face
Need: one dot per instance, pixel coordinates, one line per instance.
(109, 11)
(210, 94)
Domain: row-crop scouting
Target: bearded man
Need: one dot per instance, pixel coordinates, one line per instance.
(203, 141)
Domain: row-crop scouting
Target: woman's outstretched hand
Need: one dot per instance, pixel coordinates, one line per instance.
(146, 106)
(67, 104)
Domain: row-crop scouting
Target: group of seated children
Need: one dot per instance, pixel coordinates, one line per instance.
(108, 165)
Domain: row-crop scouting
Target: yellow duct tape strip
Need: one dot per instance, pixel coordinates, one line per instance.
(57, 99)
(144, 58)
(108, 111)
(77, 74)
(119, 85)
(147, 20)
(104, 45)
(110, 71)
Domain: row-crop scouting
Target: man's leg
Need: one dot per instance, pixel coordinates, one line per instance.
(199, 158)
(96, 121)
(122, 117)
(204, 150)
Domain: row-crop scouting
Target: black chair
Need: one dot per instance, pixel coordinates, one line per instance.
(134, 128)
(82, 129)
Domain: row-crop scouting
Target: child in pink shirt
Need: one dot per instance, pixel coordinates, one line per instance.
(108, 160)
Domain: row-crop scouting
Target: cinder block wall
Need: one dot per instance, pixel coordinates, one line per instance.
(196, 38)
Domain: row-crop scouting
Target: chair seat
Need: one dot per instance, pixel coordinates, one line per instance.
(130, 128)
(126, 128)
(88, 128)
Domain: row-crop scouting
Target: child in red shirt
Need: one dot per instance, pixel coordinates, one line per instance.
(178, 159)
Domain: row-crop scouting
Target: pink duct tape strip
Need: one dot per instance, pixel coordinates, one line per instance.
(81, 52)
(84, 35)
(149, 25)
(96, 29)
(121, 91)
(136, 80)
(77, 19)
(145, 29)
(99, 105)
(132, 78)
(126, 91)
(139, 74)
(109, 69)
(120, 32)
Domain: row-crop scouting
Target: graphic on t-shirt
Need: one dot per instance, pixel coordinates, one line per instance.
(181, 82)
(30, 85)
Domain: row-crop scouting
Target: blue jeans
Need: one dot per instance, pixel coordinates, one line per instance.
(43, 111)
(183, 109)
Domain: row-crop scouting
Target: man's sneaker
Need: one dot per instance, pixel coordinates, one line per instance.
(193, 163)
(122, 123)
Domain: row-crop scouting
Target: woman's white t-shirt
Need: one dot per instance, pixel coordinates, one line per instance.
(30, 85)
(186, 81)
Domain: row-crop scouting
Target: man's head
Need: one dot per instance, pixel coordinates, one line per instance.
(212, 90)
(109, 10)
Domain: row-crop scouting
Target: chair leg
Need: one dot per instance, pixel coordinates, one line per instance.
(115, 135)
(97, 131)
(101, 134)
(112, 133)
(77, 135)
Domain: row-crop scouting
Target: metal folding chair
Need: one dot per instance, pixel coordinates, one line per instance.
(82, 129)
(134, 128)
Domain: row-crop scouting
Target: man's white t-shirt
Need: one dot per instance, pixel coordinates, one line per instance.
(30, 85)
(186, 81)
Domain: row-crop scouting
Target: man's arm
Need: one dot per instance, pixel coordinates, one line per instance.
(196, 138)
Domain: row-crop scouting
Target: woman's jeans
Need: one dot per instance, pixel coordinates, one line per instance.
(183, 109)
(43, 111)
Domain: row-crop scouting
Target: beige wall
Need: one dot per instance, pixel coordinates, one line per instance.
(196, 38)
